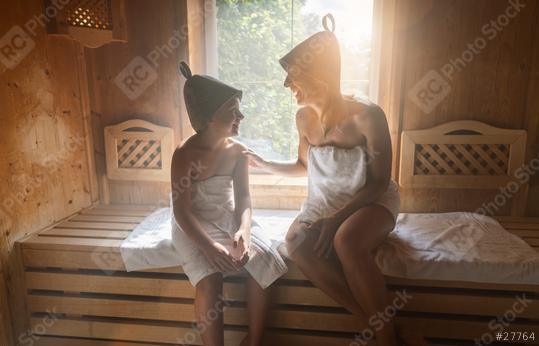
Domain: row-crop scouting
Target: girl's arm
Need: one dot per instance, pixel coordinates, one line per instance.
(293, 168)
(182, 169)
(181, 199)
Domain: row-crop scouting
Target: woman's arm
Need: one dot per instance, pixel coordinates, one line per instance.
(375, 129)
(292, 168)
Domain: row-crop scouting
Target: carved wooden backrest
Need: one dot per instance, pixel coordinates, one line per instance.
(461, 154)
(138, 150)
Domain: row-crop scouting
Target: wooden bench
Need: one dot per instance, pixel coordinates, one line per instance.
(78, 293)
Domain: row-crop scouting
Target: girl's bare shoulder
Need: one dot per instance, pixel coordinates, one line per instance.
(183, 150)
(235, 147)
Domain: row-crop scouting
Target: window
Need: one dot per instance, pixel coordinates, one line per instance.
(253, 34)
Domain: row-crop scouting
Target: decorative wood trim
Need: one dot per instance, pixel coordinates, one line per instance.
(145, 154)
(92, 37)
(88, 278)
(84, 95)
(471, 159)
(389, 46)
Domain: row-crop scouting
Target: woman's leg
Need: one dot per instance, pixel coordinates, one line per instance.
(208, 298)
(326, 274)
(355, 242)
(258, 302)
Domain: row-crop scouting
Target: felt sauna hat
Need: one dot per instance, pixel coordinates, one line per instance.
(318, 56)
(204, 95)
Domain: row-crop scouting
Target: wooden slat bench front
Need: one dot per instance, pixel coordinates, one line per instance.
(75, 277)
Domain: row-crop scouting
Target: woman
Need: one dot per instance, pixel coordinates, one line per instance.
(352, 205)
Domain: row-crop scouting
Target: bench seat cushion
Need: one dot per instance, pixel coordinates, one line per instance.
(457, 246)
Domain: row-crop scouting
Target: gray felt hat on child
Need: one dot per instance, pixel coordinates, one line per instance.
(204, 95)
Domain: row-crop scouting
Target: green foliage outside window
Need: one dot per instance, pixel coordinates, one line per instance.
(252, 36)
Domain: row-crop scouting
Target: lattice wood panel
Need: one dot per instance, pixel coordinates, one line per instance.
(138, 153)
(95, 14)
(138, 150)
(461, 159)
(463, 155)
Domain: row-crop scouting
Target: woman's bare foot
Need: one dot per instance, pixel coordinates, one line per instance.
(410, 338)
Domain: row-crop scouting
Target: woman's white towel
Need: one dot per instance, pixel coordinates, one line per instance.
(335, 176)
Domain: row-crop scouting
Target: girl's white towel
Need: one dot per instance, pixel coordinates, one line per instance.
(159, 242)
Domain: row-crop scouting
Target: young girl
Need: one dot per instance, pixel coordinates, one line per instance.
(213, 232)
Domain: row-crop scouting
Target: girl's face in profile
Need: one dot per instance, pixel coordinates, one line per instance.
(227, 119)
(306, 89)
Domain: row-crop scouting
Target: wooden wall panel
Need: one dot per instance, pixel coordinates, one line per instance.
(45, 173)
(532, 121)
(498, 86)
(6, 337)
(158, 41)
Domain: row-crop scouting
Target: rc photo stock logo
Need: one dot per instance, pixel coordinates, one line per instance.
(141, 72)
(18, 42)
(15, 45)
(430, 91)
(434, 87)
(136, 77)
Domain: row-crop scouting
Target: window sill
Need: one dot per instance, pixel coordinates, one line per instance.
(275, 180)
(276, 192)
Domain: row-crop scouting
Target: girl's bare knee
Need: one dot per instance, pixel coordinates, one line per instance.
(211, 284)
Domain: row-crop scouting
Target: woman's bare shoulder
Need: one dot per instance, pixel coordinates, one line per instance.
(305, 118)
(305, 113)
(364, 111)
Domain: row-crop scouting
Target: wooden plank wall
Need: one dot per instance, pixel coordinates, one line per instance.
(45, 172)
(498, 86)
(154, 29)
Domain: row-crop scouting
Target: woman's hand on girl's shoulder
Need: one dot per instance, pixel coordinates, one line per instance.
(255, 160)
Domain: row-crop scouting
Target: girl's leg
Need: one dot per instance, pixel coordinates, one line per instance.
(258, 302)
(208, 298)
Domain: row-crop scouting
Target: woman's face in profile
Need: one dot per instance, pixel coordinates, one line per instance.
(306, 90)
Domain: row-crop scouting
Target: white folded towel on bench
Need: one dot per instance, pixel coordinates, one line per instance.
(457, 246)
(150, 246)
(447, 246)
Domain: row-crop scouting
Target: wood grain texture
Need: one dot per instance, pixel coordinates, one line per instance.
(155, 26)
(84, 277)
(45, 165)
(497, 86)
